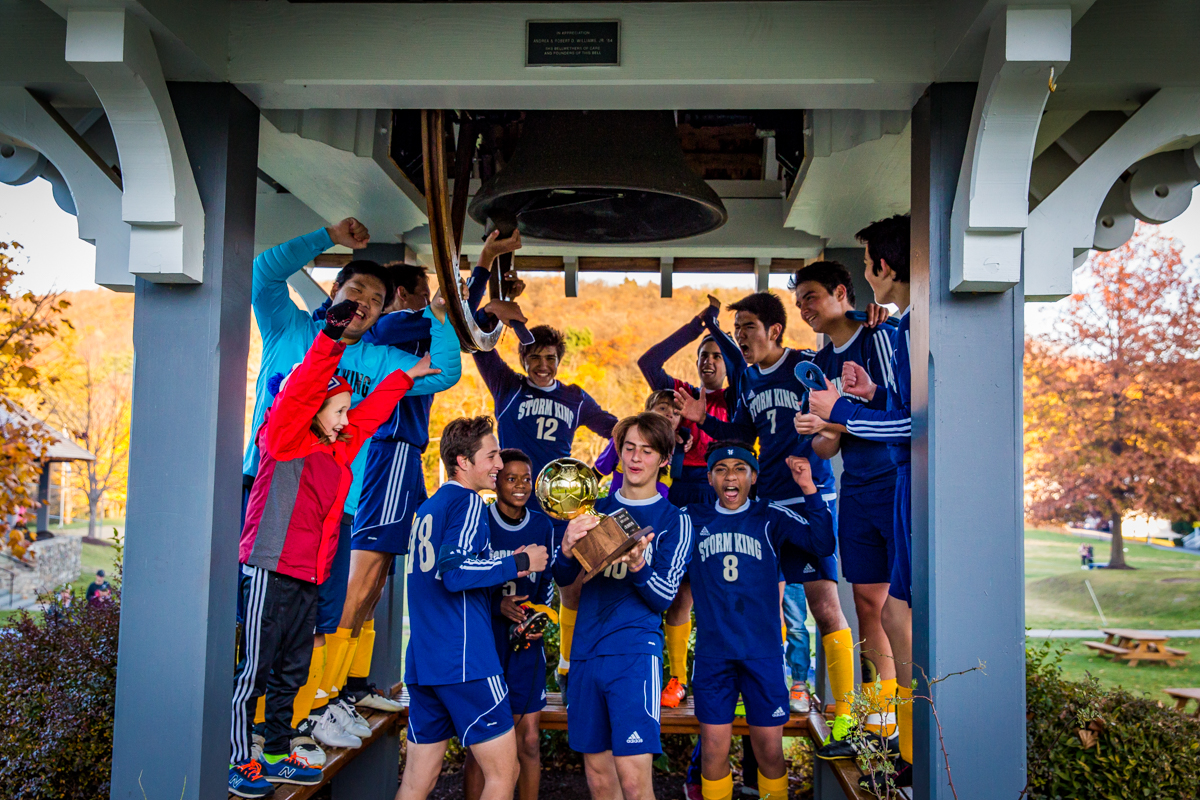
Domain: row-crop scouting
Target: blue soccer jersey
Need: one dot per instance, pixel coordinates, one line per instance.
(768, 400)
(451, 578)
(888, 417)
(864, 461)
(734, 571)
(506, 538)
(539, 422)
(620, 612)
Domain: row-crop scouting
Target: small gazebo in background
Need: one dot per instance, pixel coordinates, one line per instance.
(60, 451)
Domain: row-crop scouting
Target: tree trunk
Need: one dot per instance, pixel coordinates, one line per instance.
(93, 509)
(1116, 559)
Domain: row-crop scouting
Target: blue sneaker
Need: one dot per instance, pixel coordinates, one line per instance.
(292, 769)
(246, 780)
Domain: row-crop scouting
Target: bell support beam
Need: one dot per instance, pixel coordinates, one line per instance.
(1063, 227)
(666, 268)
(112, 49)
(1026, 48)
(95, 189)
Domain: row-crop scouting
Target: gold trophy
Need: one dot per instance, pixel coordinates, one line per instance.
(567, 488)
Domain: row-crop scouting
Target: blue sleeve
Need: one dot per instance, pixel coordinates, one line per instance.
(459, 562)
(740, 429)
(399, 327)
(658, 581)
(891, 426)
(565, 570)
(476, 286)
(274, 310)
(735, 362)
(596, 418)
(652, 361)
(808, 526)
(498, 376)
(606, 462)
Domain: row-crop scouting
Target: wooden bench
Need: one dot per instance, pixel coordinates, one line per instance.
(1142, 646)
(1182, 696)
(681, 720)
(1106, 648)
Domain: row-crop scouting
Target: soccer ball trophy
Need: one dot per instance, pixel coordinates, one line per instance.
(567, 488)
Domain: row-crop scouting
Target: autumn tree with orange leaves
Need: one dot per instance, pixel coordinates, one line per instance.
(1112, 396)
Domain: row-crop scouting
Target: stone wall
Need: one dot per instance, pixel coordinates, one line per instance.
(53, 562)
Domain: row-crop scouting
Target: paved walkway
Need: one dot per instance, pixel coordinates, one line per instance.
(1045, 633)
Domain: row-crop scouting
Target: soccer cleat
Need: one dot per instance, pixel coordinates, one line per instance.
(799, 699)
(835, 749)
(351, 721)
(305, 746)
(328, 732)
(519, 633)
(740, 709)
(371, 698)
(246, 780)
(674, 693)
(837, 744)
(291, 770)
(692, 791)
(881, 782)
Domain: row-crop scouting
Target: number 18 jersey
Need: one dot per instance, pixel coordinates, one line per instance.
(734, 571)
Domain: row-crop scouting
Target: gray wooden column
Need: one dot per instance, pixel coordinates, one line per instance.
(968, 586)
(175, 668)
(43, 496)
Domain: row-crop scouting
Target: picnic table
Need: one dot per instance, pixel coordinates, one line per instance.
(1182, 696)
(1134, 646)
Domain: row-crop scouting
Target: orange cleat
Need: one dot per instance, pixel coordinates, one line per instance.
(674, 694)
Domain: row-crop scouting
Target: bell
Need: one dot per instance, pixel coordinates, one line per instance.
(600, 177)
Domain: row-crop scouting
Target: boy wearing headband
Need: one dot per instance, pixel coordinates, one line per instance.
(734, 572)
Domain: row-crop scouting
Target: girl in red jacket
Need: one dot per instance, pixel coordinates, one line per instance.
(308, 442)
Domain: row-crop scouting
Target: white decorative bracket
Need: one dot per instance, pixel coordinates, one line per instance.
(1026, 48)
(94, 187)
(1063, 227)
(113, 50)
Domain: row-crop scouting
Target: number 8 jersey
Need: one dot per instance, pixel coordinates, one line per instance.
(540, 422)
(734, 571)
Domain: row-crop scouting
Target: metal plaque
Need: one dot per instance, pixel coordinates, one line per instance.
(572, 43)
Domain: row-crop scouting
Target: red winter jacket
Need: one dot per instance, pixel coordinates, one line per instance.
(295, 509)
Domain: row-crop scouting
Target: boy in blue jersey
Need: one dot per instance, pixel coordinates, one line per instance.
(824, 293)
(886, 417)
(734, 572)
(394, 484)
(455, 681)
(769, 395)
(287, 332)
(512, 527)
(539, 416)
(617, 657)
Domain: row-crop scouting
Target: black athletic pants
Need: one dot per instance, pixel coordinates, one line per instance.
(277, 644)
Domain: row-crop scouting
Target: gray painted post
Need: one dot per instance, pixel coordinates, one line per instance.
(375, 774)
(175, 676)
(968, 604)
(43, 496)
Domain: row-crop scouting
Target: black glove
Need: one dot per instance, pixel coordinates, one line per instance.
(338, 317)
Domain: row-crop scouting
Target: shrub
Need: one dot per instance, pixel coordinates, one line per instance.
(1086, 742)
(59, 673)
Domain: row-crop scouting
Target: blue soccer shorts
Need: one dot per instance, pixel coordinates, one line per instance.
(866, 545)
(798, 566)
(331, 595)
(901, 584)
(392, 490)
(613, 703)
(475, 711)
(525, 675)
(717, 682)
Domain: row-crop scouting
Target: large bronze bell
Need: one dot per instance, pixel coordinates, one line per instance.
(599, 177)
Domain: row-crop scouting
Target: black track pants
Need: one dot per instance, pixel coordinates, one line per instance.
(277, 643)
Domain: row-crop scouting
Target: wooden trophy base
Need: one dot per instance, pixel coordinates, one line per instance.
(612, 538)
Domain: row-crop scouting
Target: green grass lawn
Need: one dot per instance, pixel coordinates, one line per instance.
(1149, 679)
(1163, 592)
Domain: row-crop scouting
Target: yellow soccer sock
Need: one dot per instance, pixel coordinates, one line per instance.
(720, 789)
(772, 788)
(904, 715)
(302, 705)
(360, 667)
(260, 710)
(677, 647)
(351, 651)
(881, 701)
(566, 630)
(337, 646)
(839, 659)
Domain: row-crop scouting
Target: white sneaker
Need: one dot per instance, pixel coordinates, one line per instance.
(349, 719)
(304, 746)
(373, 699)
(328, 732)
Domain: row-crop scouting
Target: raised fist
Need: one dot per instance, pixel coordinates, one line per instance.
(338, 317)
